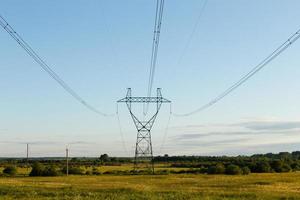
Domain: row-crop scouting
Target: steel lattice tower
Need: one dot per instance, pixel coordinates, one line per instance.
(143, 147)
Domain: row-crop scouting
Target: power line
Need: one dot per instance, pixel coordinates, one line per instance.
(109, 32)
(121, 131)
(193, 31)
(166, 130)
(251, 73)
(46, 67)
(155, 44)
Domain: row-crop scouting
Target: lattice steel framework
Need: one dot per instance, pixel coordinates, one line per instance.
(143, 147)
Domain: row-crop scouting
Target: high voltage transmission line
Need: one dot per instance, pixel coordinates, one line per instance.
(47, 68)
(155, 44)
(143, 147)
(189, 40)
(251, 73)
(147, 125)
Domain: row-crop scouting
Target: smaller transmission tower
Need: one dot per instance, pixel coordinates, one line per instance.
(67, 161)
(143, 146)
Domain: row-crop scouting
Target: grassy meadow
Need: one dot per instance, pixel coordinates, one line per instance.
(269, 177)
(254, 186)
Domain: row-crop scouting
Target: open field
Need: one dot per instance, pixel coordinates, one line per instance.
(24, 171)
(253, 186)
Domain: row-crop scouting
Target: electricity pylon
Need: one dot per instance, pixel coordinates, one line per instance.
(143, 146)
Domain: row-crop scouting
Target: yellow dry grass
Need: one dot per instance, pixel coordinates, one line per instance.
(253, 186)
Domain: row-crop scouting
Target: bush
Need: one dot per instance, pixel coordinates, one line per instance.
(233, 170)
(217, 169)
(163, 172)
(104, 158)
(37, 169)
(50, 171)
(262, 167)
(96, 171)
(10, 170)
(76, 171)
(281, 166)
(286, 168)
(88, 172)
(296, 166)
(246, 170)
(111, 172)
(73, 170)
(203, 170)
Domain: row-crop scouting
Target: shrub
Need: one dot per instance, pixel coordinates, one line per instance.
(182, 171)
(203, 170)
(281, 166)
(76, 171)
(10, 170)
(88, 172)
(233, 170)
(286, 168)
(50, 171)
(246, 170)
(262, 167)
(163, 172)
(217, 169)
(277, 165)
(37, 169)
(198, 171)
(113, 172)
(296, 166)
(96, 171)
(104, 158)
(211, 170)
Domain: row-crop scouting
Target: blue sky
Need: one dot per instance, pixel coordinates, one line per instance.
(102, 47)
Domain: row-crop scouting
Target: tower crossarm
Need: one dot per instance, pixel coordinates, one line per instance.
(144, 100)
(143, 146)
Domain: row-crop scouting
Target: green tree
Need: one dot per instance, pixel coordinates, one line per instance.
(296, 166)
(50, 171)
(246, 170)
(37, 169)
(96, 171)
(10, 170)
(104, 158)
(233, 170)
(262, 167)
(216, 169)
(280, 166)
(76, 171)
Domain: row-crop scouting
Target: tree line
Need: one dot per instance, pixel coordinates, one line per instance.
(258, 163)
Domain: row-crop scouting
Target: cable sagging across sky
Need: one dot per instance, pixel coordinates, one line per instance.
(46, 67)
(155, 44)
(194, 30)
(246, 77)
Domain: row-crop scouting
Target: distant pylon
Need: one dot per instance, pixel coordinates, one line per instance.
(27, 152)
(27, 157)
(143, 146)
(67, 161)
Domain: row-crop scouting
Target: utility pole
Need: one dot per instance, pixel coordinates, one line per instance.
(27, 157)
(27, 152)
(67, 160)
(143, 146)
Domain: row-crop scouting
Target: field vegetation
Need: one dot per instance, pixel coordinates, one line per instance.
(269, 186)
(268, 176)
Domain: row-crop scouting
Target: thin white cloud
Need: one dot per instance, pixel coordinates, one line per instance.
(240, 137)
(270, 125)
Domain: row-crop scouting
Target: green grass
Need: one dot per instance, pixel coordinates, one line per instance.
(207, 187)
(23, 171)
(127, 167)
